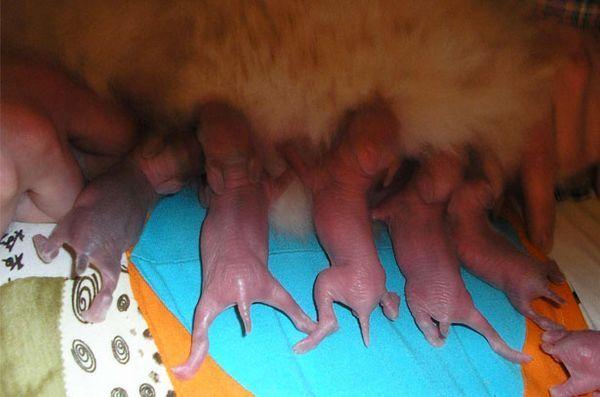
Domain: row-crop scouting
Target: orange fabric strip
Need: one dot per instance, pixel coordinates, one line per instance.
(543, 372)
(173, 342)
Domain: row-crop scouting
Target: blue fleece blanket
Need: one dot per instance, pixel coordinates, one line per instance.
(399, 362)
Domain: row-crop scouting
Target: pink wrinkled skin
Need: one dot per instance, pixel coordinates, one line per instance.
(54, 133)
(435, 291)
(494, 259)
(106, 219)
(169, 161)
(343, 223)
(579, 351)
(234, 238)
(439, 174)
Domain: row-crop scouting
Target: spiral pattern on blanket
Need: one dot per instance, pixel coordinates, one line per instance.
(118, 392)
(123, 303)
(147, 390)
(85, 290)
(83, 355)
(120, 350)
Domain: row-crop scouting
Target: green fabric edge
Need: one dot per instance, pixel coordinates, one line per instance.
(30, 354)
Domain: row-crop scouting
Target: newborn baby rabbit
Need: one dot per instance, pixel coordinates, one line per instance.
(109, 214)
(491, 257)
(234, 241)
(54, 132)
(435, 291)
(367, 147)
(485, 252)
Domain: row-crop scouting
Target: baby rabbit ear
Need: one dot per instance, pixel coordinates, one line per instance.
(254, 170)
(485, 194)
(214, 176)
(391, 172)
(152, 146)
(368, 159)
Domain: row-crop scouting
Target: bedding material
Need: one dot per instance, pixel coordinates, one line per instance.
(398, 361)
(45, 347)
(543, 371)
(116, 357)
(577, 252)
(39, 323)
(30, 357)
(18, 258)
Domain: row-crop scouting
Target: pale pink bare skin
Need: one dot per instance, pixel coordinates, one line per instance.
(108, 216)
(169, 161)
(53, 131)
(343, 223)
(491, 257)
(234, 239)
(435, 291)
(439, 174)
(579, 351)
(39, 177)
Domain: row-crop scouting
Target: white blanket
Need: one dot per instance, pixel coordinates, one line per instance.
(577, 251)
